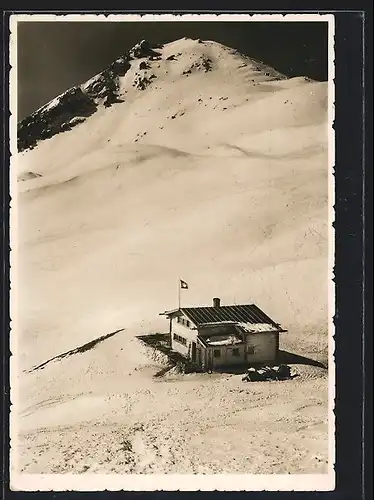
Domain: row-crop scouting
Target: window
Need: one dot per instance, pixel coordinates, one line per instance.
(236, 352)
(250, 349)
(183, 321)
(180, 339)
(217, 353)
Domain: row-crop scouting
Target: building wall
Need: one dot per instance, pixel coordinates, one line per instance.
(262, 346)
(185, 332)
(259, 347)
(227, 357)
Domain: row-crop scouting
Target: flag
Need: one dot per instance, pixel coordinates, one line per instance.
(183, 284)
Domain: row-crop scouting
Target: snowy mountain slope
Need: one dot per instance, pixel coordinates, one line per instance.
(190, 161)
(216, 170)
(133, 71)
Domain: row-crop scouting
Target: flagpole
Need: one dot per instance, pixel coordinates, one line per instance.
(179, 293)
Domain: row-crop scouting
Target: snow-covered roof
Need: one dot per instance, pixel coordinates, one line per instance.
(258, 327)
(223, 340)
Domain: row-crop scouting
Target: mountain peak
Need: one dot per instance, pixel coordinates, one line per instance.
(144, 49)
(134, 71)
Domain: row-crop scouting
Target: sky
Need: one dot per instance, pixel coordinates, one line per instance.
(54, 56)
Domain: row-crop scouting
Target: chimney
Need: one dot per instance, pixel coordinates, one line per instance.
(216, 302)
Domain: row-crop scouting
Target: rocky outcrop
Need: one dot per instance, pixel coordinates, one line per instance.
(144, 49)
(55, 117)
(106, 84)
(203, 63)
(75, 105)
(141, 82)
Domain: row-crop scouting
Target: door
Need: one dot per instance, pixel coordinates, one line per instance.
(199, 360)
(193, 353)
(209, 359)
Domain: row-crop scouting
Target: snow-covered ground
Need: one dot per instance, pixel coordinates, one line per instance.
(216, 172)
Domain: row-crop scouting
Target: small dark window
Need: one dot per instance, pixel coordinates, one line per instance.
(180, 339)
(235, 352)
(188, 323)
(250, 349)
(217, 353)
(178, 319)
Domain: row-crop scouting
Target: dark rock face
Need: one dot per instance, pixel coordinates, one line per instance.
(73, 106)
(106, 85)
(204, 64)
(144, 49)
(121, 66)
(141, 82)
(48, 121)
(144, 65)
(78, 103)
